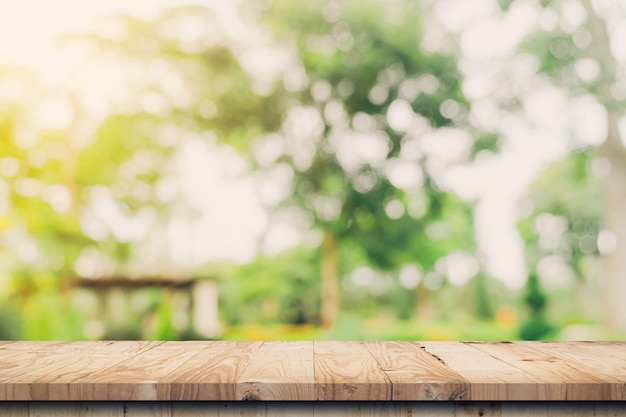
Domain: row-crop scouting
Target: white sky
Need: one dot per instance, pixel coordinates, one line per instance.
(536, 137)
(28, 28)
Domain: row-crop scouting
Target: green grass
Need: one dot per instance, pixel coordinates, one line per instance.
(351, 327)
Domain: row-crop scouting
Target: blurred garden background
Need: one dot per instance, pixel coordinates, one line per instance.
(340, 169)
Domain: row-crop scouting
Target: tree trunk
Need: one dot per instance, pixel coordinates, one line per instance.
(423, 310)
(330, 281)
(483, 307)
(614, 262)
(615, 220)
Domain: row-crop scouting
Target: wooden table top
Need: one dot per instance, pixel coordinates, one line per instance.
(312, 371)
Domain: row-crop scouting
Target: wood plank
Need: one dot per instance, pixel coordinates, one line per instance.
(279, 371)
(573, 409)
(593, 358)
(347, 371)
(312, 371)
(415, 374)
(32, 345)
(432, 409)
(15, 362)
(243, 408)
(195, 409)
(53, 409)
(282, 409)
(490, 379)
(478, 409)
(254, 409)
(516, 409)
(239, 409)
(616, 409)
(137, 378)
(212, 374)
(50, 375)
(267, 409)
(101, 409)
(366, 409)
(381, 409)
(525, 409)
(18, 357)
(311, 408)
(148, 409)
(560, 379)
(608, 359)
(13, 409)
(22, 354)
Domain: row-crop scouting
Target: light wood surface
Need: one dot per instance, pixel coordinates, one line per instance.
(415, 373)
(311, 371)
(212, 373)
(279, 371)
(347, 371)
(491, 378)
(62, 371)
(556, 378)
(607, 360)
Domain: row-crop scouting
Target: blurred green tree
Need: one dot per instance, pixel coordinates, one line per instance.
(360, 136)
(563, 229)
(54, 175)
(363, 123)
(536, 326)
(40, 232)
(577, 54)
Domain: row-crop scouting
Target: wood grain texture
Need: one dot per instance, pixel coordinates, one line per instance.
(52, 375)
(211, 374)
(347, 371)
(417, 375)
(30, 345)
(491, 379)
(605, 359)
(282, 371)
(556, 379)
(138, 377)
(19, 358)
(312, 371)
